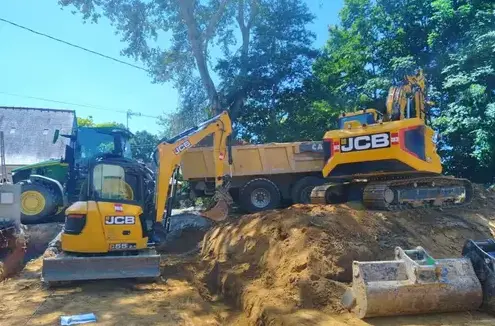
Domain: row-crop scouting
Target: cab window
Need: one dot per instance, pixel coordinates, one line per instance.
(365, 118)
(111, 182)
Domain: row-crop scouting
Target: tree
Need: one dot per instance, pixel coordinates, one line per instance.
(466, 30)
(249, 46)
(88, 122)
(143, 145)
(85, 122)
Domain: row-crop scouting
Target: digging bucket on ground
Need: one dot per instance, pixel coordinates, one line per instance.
(413, 283)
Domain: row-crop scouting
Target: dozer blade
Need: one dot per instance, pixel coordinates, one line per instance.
(66, 267)
(482, 256)
(413, 283)
(220, 211)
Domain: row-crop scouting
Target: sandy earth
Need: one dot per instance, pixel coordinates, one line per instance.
(172, 301)
(284, 267)
(276, 263)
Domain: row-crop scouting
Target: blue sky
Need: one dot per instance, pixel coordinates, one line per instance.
(31, 65)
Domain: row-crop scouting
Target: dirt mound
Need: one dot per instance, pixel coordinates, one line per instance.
(274, 263)
(24, 245)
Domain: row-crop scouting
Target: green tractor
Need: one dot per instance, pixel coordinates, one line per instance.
(49, 187)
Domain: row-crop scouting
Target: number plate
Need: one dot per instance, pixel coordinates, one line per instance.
(122, 246)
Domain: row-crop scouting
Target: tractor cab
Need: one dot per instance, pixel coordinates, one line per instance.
(89, 142)
(97, 141)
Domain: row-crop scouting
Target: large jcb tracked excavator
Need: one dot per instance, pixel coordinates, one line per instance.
(123, 215)
(389, 161)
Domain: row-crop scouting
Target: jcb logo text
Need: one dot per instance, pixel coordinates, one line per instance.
(182, 147)
(120, 220)
(362, 143)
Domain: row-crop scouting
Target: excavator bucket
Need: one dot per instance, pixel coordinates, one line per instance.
(482, 256)
(220, 211)
(413, 283)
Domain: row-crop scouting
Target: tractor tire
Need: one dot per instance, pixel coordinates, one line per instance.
(38, 203)
(301, 191)
(258, 195)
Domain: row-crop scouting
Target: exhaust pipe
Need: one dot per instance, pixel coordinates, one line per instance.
(413, 283)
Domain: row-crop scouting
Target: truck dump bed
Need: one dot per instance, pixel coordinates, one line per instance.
(250, 160)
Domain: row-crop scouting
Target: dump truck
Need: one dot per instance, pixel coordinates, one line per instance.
(264, 176)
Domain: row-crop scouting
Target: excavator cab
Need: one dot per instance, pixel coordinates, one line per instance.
(358, 118)
(108, 228)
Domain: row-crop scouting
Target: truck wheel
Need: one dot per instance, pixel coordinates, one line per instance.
(37, 203)
(301, 191)
(258, 195)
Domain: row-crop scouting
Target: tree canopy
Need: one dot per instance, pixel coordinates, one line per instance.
(219, 54)
(254, 58)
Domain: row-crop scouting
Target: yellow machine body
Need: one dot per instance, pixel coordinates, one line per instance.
(105, 230)
(390, 160)
(395, 147)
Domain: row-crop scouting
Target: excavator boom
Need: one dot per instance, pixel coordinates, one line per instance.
(169, 154)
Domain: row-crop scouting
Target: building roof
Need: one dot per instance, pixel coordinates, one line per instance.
(28, 133)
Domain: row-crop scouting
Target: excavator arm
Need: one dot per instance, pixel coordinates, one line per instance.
(407, 100)
(168, 156)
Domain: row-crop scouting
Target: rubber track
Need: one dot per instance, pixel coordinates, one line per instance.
(373, 192)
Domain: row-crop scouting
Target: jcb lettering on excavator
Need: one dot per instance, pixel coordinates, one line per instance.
(120, 220)
(366, 142)
(182, 147)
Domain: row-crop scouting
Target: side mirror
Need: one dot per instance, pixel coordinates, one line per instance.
(55, 136)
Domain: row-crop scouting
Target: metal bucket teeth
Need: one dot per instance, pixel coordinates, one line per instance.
(66, 267)
(482, 256)
(413, 283)
(220, 211)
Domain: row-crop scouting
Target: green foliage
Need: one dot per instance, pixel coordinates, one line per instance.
(222, 54)
(143, 145)
(85, 122)
(88, 122)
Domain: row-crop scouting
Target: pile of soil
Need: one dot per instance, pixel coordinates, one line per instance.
(273, 264)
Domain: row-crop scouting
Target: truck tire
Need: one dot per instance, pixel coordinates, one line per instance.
(301, 191)
(37, 202)
(258, 195)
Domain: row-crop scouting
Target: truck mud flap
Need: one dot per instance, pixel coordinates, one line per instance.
(66, 267)
(482, 256)
(413, 283)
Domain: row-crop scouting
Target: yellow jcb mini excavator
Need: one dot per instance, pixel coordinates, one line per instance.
(389, 161)
(123, 215)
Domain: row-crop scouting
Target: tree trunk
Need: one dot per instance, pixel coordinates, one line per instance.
(198, 48)
(245, 28)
